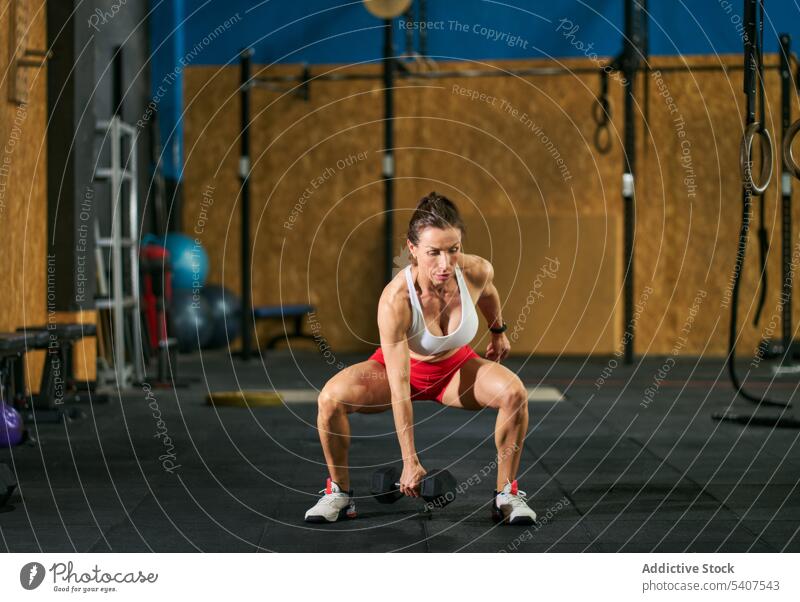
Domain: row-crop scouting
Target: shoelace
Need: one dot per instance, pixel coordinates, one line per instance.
(328, 498)
(519, 500)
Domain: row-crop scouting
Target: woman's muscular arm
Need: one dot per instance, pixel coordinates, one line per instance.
(394, 318)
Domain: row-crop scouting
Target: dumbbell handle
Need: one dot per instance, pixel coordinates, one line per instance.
(419, 483)
(431, 473)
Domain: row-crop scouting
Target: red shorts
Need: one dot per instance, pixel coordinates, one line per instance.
(430, 379)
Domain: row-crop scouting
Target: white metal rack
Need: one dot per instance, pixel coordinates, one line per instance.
(122, 298)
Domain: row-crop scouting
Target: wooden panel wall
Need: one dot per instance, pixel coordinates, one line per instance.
(23, 201)
(690, 208)
(559, 278)
(509, 151)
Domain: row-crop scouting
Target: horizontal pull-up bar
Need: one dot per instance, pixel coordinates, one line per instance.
(305, 77)
(258, 80)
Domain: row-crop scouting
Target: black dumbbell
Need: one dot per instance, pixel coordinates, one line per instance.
(438, 487)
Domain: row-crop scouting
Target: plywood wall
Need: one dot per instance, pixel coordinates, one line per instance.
(23, 204)
(690, 211)
(509, 151)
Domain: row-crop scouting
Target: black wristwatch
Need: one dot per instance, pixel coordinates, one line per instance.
(500, 330)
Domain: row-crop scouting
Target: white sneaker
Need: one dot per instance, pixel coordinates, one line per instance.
(511, 507)
(334, 505)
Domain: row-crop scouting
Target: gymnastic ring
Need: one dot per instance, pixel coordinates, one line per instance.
(766, 158)
(600, 145)
(788, 155)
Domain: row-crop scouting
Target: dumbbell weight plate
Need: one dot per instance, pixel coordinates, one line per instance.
(438, 496)
(383, 485)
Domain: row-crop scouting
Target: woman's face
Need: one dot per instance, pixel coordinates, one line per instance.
(437, 253)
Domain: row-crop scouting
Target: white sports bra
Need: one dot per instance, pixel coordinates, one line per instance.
(421, 341)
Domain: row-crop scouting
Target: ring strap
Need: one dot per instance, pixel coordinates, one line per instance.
(745, 164)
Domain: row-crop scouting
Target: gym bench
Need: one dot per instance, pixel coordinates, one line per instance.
(281, 312)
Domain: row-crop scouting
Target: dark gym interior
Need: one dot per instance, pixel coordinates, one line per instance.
(203, 205)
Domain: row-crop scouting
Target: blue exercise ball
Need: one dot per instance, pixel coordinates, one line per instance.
(225, 315)
(188, 261)
(190, 320)
(11, 427)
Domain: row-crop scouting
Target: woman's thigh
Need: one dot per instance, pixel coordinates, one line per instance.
(362, 387)
(480, 383)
